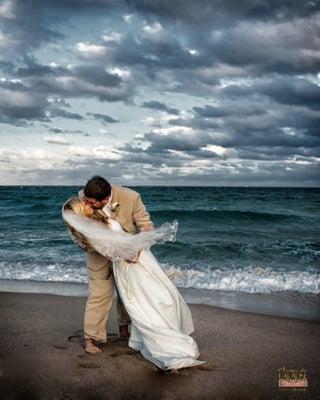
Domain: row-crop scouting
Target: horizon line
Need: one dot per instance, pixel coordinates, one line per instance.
(231, 186)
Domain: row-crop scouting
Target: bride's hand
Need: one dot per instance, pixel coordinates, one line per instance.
(135, 259)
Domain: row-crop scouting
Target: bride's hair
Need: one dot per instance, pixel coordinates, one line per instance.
(77, 206)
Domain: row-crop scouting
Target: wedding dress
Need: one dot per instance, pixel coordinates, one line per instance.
(161, 321)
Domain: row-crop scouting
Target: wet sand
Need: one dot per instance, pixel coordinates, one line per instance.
(42, 355)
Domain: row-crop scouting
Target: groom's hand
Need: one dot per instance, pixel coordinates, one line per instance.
(146, 228)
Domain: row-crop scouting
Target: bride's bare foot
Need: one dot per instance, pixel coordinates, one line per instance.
(90, 347)
(124, 332)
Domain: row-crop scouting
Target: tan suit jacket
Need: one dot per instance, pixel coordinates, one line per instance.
(133, 217)
(131, 213)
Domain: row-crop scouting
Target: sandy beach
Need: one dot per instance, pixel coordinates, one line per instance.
(41, 355)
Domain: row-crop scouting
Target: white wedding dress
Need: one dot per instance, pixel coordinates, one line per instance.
(161, 321)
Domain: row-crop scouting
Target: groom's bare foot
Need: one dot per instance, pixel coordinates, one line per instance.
(90, 347)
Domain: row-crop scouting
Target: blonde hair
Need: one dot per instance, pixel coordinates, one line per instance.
(76, 205)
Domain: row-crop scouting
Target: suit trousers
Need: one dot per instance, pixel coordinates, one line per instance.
(100, 299)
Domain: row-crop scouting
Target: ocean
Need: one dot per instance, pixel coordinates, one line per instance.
(230, 239)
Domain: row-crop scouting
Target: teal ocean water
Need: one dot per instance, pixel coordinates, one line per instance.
(256, 240)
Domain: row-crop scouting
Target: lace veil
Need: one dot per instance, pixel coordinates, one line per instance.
(116, 245)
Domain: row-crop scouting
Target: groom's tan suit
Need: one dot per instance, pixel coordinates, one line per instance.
(133, 217)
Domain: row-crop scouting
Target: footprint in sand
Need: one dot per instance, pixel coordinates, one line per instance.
(60, 346)
(188, 371)
(122, 353)
(74, 338)
(209, 367)
(88, 365)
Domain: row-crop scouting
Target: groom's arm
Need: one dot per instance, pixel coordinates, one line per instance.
(141, 216)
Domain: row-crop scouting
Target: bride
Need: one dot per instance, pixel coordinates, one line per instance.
(161, 321)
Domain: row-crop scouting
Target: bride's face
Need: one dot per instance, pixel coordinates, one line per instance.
(87, 209)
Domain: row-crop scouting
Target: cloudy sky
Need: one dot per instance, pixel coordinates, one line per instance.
(160, 92)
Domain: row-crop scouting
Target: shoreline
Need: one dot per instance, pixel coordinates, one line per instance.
(41, 355)
(283, 304)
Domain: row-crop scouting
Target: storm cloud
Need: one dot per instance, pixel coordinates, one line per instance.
(198, 92)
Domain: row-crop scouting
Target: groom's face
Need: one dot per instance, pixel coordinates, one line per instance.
(96, 203)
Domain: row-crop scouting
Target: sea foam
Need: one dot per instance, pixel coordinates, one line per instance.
(250, 279)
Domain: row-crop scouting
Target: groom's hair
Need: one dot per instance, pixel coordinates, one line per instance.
(97, 188)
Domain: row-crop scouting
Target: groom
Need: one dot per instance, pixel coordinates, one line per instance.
(124, 205)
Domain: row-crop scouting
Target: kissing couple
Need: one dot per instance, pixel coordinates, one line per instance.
(111, 224)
